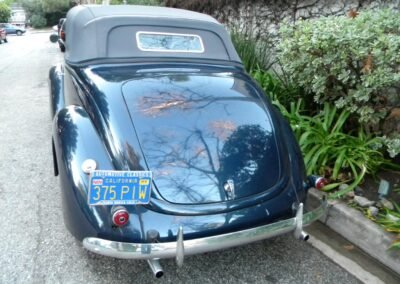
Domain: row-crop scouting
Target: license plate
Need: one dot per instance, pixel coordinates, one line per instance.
(119, 187)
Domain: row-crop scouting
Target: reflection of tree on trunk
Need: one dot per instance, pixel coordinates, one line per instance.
(243, 156)
(165, 95)
(209, 159)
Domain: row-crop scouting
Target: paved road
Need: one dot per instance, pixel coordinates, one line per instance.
(34, 245)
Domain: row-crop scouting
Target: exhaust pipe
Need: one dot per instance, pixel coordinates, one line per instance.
(303, 236)
(298, 232)
(156, 267)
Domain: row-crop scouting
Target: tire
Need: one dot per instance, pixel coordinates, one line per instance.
(19, 33)
(5, 40)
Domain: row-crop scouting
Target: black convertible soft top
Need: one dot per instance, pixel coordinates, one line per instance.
(96, 32)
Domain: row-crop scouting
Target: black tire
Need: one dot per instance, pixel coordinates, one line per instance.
(19, 33)
(5, 40)
(62, 48)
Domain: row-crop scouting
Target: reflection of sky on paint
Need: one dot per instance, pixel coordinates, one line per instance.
(170, 42)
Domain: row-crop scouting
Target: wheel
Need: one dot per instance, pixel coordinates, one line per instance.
(62, 48)
(5, 40)
(19, 33)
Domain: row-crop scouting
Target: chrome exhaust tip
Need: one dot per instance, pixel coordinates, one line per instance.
(156, 267)
(304, 236)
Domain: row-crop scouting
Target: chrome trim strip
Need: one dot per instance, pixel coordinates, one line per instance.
(140, 46)
(180, 248)
(196, 246)
(299, 222)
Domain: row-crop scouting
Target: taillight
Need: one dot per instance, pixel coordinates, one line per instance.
(317, 182)
(120, 216)
(320, 182)
(62, 35)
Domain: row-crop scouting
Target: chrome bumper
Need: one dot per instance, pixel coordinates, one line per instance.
(180, 248)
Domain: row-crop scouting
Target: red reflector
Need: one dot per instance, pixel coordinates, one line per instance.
(120, 217)
(320, 183)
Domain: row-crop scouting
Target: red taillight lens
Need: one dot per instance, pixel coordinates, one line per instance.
(62, 35)
(320, 183)
(120, 217)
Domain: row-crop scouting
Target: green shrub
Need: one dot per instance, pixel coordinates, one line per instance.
(328, 149)
(38, 21)
(351, 62)
(5, 13)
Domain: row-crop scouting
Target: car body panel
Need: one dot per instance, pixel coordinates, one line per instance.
(3, 35)
(61, 34)
(197, 131)
(108, 121)
(222, 157)
(84, 221)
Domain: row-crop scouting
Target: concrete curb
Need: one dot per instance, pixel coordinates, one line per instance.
(359, 230)
(33, 31)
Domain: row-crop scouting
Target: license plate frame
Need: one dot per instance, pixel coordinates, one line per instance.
(119, 187)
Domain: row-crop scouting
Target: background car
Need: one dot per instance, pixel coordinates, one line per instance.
(61, 34)
(12, 29)
(60, 22)
(3, 36)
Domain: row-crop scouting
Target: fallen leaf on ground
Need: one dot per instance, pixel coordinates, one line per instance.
(348, 247)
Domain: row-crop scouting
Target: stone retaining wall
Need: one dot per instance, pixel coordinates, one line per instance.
(262, 17)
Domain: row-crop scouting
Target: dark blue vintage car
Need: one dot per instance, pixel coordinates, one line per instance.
(164, 146)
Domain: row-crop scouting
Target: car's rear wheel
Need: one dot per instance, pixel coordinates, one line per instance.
(62, 48)
(19, 33)
(5, 40)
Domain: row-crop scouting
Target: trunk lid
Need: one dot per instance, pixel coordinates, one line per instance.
(199, 133)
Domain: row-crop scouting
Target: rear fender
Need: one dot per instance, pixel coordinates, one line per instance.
(76, 140)
(56, 85)
(298, 172)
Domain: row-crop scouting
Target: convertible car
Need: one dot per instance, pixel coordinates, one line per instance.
(164, 146)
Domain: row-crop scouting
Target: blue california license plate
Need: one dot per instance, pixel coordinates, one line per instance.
(119, 187)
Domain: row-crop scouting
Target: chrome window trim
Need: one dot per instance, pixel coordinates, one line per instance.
(171, 34)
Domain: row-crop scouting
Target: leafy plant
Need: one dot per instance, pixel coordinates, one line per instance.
(255, 54)
(390, 220)
(350, 62)
(5, 13)
(277, 87)
(328, 150)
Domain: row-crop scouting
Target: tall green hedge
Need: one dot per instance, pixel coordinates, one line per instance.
(352, 62)
(5, 13)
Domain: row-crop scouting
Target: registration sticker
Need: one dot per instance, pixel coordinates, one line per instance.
(119, 187)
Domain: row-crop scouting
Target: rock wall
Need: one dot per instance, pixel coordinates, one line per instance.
(262, 17)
